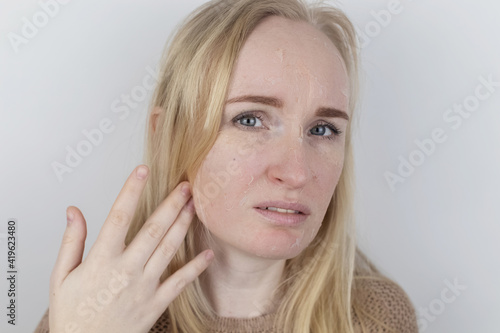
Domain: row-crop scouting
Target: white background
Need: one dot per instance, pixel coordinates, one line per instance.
(439, 226)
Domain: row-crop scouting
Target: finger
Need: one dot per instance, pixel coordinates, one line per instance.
(153, 230)
(72, 246)
(170, 243)
(111, 239)
(175, 284)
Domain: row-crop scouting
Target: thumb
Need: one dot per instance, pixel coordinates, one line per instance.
(72, 246)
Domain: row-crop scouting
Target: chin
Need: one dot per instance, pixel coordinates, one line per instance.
(278, 244)
(278, 254)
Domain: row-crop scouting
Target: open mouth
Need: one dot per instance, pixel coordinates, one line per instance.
(281, 216)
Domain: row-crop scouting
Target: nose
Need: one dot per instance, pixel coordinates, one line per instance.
(290, 166)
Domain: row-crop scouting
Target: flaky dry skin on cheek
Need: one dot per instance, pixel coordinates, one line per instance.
(230, 182)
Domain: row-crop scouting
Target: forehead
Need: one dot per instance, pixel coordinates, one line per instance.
(291, 60)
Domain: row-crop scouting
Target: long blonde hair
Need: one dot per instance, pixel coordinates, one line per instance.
(196, 70)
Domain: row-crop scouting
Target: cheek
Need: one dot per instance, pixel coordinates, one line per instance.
(326, 168)
(325, 174)
(226, 179)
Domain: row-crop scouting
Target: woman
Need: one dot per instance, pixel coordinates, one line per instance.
(249, 156)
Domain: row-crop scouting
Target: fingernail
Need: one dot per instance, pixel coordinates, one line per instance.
(185, 189)
(142, 172)
(190, 205)
(69, 216)
(209, 255)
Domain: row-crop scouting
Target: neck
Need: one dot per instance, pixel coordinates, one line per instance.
(242, 286)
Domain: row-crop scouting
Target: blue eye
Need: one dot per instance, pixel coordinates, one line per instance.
(248, 120)
(326, 131)
(320, 130)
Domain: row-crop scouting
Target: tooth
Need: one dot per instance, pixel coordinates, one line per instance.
(281, 210)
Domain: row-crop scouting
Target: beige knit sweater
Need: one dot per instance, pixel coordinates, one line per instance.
(384, 300)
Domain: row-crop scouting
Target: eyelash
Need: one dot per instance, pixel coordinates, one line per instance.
(250, 114)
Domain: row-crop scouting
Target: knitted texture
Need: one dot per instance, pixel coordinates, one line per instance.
(381, 299)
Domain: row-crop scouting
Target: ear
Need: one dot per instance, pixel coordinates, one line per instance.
(153, 118)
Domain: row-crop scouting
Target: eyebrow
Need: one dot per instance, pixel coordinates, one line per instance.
(278, 103)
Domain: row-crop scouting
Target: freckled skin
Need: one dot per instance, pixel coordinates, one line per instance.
(279, 158)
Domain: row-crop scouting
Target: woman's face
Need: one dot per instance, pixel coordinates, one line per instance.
(278, 144)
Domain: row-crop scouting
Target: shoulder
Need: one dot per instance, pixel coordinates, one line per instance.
(380, 302)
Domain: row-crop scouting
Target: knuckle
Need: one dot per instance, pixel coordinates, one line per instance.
(68, 239)
(154, 230)
(178, 204)
(97, 257)
(200, 265)
(167, 250)
(118, 218)
(180, 284)
(184, 219)
(129, 271)
(188, 214)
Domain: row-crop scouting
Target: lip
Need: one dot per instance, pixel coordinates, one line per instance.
(285, 205)
(283, 219)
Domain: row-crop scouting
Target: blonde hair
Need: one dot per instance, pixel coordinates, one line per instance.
(196, 69)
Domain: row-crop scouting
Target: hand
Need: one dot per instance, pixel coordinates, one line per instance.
(117, 288)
